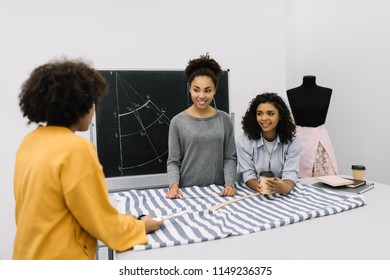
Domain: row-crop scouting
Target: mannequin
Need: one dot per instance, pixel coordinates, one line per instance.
(309, 105)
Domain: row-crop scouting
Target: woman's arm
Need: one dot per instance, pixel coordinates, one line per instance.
(230, 158)
(173, 191)
(174, 155)
(254, 184)
(291, 161)
(245, 159)
(290, 169)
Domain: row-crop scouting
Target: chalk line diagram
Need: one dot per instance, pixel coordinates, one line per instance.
(142, 127)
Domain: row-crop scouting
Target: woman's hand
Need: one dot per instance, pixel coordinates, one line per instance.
(277, 185)
(228, 190)
(254, 184)
(151, 224)
(173, 191)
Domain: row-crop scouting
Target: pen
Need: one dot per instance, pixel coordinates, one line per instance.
(366, 190)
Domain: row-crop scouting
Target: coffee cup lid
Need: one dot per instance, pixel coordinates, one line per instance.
(358, 167)
(267, 174)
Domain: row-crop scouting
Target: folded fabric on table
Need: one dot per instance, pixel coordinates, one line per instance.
(197, 221)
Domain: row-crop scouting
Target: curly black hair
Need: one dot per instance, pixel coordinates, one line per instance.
(203, 66)
(60, 92)
(286, 127)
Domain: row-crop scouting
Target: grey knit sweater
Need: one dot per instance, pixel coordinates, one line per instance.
(202, 151)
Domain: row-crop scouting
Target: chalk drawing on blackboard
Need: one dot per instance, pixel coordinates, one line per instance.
(137, 117)
(132, 121)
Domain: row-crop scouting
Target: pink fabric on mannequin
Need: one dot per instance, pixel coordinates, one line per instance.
(310, 138)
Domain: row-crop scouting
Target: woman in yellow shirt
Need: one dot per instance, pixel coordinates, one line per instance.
(62, 205)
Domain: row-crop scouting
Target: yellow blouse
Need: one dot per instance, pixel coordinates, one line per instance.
(62, 204)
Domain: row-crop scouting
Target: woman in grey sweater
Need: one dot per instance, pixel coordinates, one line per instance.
(201, 138)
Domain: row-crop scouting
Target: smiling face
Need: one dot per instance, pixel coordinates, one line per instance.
(202, 91)
(267, 116)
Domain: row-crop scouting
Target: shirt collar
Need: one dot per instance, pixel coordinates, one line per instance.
(260, 141)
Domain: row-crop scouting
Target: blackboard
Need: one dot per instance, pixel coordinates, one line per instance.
(132, 121)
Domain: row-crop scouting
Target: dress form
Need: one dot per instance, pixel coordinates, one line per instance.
(309, 102)
(309, 105)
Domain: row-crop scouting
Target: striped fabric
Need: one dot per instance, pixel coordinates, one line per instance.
(199, 222)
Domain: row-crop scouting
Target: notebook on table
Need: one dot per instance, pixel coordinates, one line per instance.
(337, 182)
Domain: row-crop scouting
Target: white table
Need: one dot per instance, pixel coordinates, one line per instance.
(361, 233)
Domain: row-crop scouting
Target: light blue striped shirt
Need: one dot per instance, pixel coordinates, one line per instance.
(253, 157)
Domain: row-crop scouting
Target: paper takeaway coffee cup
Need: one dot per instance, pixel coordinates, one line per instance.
(265, 176)
(358, 172)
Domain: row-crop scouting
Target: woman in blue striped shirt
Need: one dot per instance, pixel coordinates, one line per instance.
(268, 143)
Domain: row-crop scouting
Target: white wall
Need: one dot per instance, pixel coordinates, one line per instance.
(246, 36)
(345, 44)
